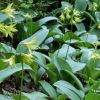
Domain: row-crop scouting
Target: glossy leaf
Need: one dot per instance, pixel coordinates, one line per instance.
(11, 70)
(35, 96)
(68, 90)
(49, 89)
(46, 19)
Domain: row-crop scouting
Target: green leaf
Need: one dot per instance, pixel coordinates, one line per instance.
(49, 89)
(78, 82)
(65, 4)
(18, 18)
(31, 27)
(70, 35)
(81, 28)
(81, 5)
(39, 35)
(6, 49)
(96, 86)
(69, 90)
(76, 66)
(35, 96)
(46, 19)
(52, 75)
(89, 38)
(3, 65)
(86, 55)
(16, 97)
(40, 57)
(2, 97)
(97, 15)
(3, 17)
(63, 51)
(61, 64)
(11, 70)
(83, 44)
(92, 96)
(61, 97)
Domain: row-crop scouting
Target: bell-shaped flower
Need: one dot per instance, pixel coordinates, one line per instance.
(31, 45)
(9, 11)
(93, 7)
(7, 29)
(27, 58)
(70, 16)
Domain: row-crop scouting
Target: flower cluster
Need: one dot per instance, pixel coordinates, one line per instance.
(9, 10)
(71, 16)
(27, 58)
(93, 7)
(7, 29)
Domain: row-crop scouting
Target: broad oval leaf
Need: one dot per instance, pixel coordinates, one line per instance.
(76, 66)
(61, 64)
(11, 70)
(65, 49)
(81, 5)
(78, 82)
(69, 90)
(6, 49)
(3, 17)
(2, 97)
(92, 96)
(49, 89)
(46, 19)
(35, 96)
(97, 15)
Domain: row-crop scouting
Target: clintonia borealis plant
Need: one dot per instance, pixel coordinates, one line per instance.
(53, 58)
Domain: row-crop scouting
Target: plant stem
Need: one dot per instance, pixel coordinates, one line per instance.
(21, 85)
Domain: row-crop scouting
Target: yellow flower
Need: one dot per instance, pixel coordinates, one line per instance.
(72, 22)
(98, 26)
(62, 17)
(95, 56)
(71, 16)
(7, 29)
(9, 10)
(77, 19)
(76, 12)
(93, 7)
(27, 16)
(10, 61)
(67, 10)
(31, 45)
(27, 58)
(68, 16)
